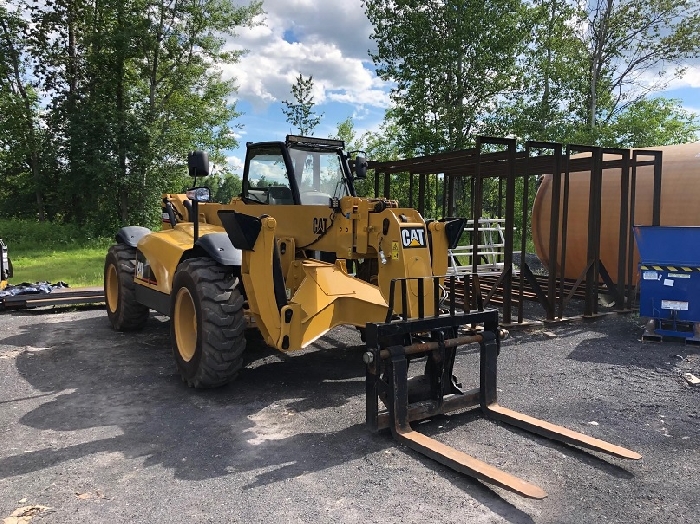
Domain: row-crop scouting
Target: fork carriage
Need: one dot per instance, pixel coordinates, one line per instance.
(393, 344)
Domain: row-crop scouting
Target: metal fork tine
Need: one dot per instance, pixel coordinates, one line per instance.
(560, 433)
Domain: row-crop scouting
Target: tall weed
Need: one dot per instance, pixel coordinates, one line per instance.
(23, 235)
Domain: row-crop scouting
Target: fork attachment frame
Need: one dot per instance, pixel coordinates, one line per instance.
(390, 348)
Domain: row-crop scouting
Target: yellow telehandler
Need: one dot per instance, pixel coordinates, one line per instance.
(298, 253)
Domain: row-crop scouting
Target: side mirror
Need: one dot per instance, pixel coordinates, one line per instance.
(198, 163)
(198, 194)
(360, 168)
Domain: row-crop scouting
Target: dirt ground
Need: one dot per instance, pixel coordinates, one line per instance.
(95, 426)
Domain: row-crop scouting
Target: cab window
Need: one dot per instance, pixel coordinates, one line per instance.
(267, 181)
(319, 176)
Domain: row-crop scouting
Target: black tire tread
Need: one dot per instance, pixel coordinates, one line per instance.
(130, 314)
(223, 324)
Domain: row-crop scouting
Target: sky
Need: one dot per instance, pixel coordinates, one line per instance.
(329, 40)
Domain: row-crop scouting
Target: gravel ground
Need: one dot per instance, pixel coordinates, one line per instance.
(95, 426)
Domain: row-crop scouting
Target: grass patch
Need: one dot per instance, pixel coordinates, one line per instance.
(75, 265)
(53, 252)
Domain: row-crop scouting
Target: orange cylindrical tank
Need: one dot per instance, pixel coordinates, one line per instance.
(680, 206)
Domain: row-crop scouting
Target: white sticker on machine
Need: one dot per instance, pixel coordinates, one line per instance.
(676, 305)
(650, 275)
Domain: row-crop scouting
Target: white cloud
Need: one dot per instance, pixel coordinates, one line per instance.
(235, 163)
(691, 109)
(326, 40)
(342, 24)
(691, 78)
(661, 78)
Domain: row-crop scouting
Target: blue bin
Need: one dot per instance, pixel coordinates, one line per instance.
(669, 286)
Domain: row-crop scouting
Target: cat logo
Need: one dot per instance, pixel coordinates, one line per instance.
(143, 269)
(320, 226)
(413, 237)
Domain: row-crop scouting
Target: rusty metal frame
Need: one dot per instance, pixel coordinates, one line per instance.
(510, 175)
(590, 272)
(509, 164)
(550, 299)
(655, 213)
(625, 229)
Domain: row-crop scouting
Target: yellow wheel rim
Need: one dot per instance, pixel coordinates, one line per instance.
(112, 289)
(185, 321)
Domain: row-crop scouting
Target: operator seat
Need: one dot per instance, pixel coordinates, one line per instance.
(280, 195)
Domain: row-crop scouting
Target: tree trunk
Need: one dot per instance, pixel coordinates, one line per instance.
(73, 117)
(545, 105)
(600, 36)
(36, 176)
(121, 130)
(29, 121)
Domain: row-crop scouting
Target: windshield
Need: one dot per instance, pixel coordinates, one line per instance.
(319, 175)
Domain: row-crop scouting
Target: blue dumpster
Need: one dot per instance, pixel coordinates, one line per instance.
(669, 284)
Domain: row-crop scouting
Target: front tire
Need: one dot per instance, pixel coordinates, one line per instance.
(206, 323)
(124, 312)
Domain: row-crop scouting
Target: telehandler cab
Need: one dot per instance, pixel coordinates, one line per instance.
(298, 253)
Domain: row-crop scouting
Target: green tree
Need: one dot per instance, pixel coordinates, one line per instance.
(346, 133)
(300, 111)
(382, 145)
(379, 145)
(188, 106)
(133, 86)
(547, 100)
(572, 47)
(224, 187)
(19, 132)
(635, 47)
(649, 123)
(231, 186)
(450, 61)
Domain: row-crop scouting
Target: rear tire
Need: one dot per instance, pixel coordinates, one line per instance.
(206, 323)
(124, 312)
